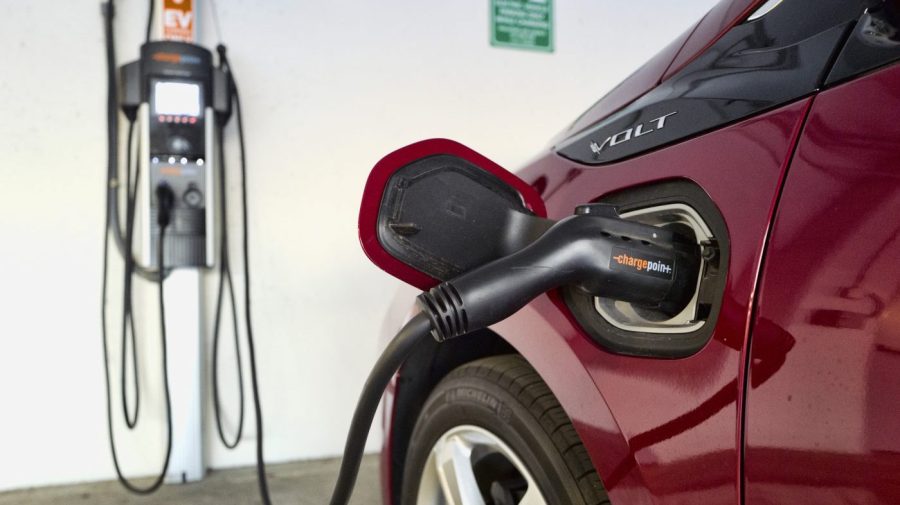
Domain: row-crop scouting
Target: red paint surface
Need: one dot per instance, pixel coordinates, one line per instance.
(663, 431)
(824, 426)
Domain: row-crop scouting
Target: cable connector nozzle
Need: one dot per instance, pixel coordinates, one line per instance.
(444, 307)
(602, 255)
(165, 202)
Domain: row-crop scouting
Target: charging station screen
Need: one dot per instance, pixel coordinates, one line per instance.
(176, 98)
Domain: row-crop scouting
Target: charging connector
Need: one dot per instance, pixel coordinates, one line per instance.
(165, 201)
(594, 250)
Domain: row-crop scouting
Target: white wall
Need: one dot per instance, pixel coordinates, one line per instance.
(328, 88)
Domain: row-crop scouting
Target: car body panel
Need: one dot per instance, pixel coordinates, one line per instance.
(677, 419)
(757, 66)
(824, 425)
(642, 80)
(714, 24)
(661, 431)
(668, 61)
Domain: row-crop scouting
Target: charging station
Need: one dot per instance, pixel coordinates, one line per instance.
(175, 99)
(174, 83)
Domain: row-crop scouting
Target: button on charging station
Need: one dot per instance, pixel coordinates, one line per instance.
(193, 197)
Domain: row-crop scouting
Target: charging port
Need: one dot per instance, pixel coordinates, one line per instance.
(626, 316)
(629, 328)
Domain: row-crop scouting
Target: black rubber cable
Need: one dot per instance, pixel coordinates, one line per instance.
(112, 147)
(127, 313)
(254, 381)
(150, 20)
(387, 365)
(125, 245)
(112, 126)
(225, 277)
(417, 329)
(165, 365)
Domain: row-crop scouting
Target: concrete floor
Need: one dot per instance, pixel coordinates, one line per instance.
(303, 483)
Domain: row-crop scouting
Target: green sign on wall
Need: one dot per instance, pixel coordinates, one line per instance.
(523, 24)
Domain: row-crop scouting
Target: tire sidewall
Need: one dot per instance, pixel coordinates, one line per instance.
(477, 401)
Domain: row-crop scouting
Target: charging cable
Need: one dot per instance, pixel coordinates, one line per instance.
(225, 270)
(125, 242)
(397, 351)
(165, 201)
(113, 183)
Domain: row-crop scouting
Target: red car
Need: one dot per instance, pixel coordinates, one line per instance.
(769, 134)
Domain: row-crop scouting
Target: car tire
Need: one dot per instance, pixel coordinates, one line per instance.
(504, 398)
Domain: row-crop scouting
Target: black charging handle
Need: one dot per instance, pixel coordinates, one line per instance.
(595, 250)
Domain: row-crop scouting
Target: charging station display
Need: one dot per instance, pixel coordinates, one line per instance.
(176, 98)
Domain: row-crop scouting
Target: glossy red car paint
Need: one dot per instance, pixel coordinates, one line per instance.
(809, 193)
(823, 421)
(652, 425)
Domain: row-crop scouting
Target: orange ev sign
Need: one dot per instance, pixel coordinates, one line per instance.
(178, 20)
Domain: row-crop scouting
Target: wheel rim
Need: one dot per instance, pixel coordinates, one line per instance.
(469, 465)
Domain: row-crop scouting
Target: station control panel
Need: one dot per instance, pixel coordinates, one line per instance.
(175, 93)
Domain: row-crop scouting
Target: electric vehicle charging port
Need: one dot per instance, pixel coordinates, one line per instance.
(625, 328)
(686, 221)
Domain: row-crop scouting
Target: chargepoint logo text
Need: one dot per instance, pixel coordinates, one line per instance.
(654, 266)
(631, 133)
